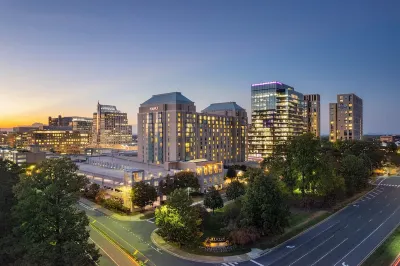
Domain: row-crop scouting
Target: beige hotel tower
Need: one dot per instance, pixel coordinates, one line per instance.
(170, 130)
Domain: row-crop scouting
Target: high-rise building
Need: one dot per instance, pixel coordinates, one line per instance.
(75, 122)
(312, 112)
(170, 129)
(346, 118)
(110, 127)
(277, 115)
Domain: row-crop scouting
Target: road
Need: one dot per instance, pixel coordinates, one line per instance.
(348, 237)
(136, 235)
(112, 255)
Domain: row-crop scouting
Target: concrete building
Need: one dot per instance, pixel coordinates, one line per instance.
(61, 141)
(346, 118)
(110, 127)
(312, 113)
(388, 139)
(277, 115)
(170, 129)
(60, 121)
(21, 157)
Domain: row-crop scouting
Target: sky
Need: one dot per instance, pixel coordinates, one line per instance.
(61, 57)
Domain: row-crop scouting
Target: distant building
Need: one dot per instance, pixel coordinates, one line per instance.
(387, 139)
(60, 121)
(346, 118)
(110, 127)
(312, 113)
(22, 157)
(60, 141)
(170, 130)
(75, 122)
(277, 115)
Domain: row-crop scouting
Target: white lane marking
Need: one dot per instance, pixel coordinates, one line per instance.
(259, 264)
(367, 197)
(104, 251)
(376, 194)
(367, 236)
(387, 205)
(310, 251)
(385, 197)
(380, 212)
(358, 229)
(225, 264)
(346, 225)
(370, 220)
(329, 252)
(290, 246)
(306, 241)
(344, 264)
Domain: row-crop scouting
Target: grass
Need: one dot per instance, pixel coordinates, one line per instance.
(147, 215)
(387, 252)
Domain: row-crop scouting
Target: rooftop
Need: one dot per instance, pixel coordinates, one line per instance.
(167, 98)
(227, 106)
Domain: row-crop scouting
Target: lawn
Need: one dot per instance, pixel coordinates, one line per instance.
(387, 252)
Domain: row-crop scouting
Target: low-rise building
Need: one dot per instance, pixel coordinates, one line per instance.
(21, 157)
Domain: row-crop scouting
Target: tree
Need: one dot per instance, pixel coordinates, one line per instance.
(264, 205)
(143, 194)
(9, 176)
(177, 220)
(231, 173)
(391, 147)
(234, 190)
(213, 199)
(49, 228)
(92, 191)
(244, 235)
(303, 152)
(183, 179)
(354, 172)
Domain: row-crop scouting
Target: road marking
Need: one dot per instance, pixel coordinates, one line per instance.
(380, 212)
(370, 220)
(259, 264)
(310, 251)
(305, 242)
(346, 225)
(358, 229)
(329, 252)
(385, 197)
(367, 237)
(387, 205)
(367, 197)
(290, 246)
(104, 251)
(344, 264)
(376, 194)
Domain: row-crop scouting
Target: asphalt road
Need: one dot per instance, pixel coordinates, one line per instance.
(112, 255)
(348, 237)
(136, 235)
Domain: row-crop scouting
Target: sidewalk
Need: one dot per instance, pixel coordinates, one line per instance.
(112, 214)
(160, 243)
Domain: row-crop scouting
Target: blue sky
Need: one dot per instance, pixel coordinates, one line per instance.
(61, 57)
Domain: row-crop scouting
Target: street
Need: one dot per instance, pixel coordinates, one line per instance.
(346, 238)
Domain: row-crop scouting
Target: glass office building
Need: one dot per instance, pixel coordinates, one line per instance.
(277, 114)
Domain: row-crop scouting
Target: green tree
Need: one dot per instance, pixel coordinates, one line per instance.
(177, 220)
(92, 191)
(213, 199)
(354, 172)
(143, 194)
(49, 228)
(9, 176)
(303, 152)
(391, 147)
(264, 205)
(183, 179)
(231, 173)
(234, 190)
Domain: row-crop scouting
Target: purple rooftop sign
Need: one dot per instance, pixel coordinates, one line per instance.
(266, 83)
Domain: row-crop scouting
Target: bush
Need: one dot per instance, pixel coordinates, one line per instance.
(245, 235)
(115, 204)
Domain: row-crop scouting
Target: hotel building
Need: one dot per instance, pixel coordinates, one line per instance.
(170, 130)
(110, 127)
(277, 114)
(346, 118)
(312, 113)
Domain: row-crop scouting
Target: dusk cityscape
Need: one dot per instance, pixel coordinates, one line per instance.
(205, 133)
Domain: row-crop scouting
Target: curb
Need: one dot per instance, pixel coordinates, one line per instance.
(222, 259)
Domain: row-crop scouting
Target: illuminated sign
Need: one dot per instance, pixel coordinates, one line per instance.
(154, 108)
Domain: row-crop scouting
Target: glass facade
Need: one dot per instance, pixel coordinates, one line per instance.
(277, 113)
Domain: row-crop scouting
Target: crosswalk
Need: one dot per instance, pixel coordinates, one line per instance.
(371, 194)
(390, 185)
(229, 263)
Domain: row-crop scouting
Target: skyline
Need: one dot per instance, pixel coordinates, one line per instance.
(61, 58)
